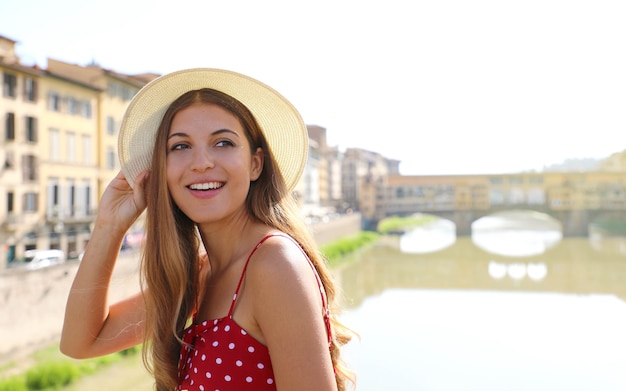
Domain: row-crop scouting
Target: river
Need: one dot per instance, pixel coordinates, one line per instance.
(436, 312)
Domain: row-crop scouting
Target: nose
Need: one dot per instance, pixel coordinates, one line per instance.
(201, 160)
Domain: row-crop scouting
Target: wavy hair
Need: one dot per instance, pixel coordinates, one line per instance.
(170, 259)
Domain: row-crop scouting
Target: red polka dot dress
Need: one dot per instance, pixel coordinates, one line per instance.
(218, 355)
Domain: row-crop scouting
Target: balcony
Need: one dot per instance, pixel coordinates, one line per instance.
(13, 222)
(69, 216)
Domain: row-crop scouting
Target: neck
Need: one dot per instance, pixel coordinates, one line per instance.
(225, 243)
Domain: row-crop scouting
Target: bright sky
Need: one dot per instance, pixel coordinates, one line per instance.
(445, 86)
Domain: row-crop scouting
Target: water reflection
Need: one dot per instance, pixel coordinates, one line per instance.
(463, 318)
(435, 236)
(517, 233)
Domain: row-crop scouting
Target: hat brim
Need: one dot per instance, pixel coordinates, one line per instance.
(278, 119)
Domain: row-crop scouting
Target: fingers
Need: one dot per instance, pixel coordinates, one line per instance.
(139, 187)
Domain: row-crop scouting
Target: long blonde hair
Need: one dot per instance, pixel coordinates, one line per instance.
(170, 261)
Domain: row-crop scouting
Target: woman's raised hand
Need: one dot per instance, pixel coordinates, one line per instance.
(121, 204)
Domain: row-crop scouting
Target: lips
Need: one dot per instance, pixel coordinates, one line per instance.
(206, 186)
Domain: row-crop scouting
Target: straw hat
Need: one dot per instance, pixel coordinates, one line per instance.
(279, 121)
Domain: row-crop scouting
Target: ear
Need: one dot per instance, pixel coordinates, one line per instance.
(256, 164)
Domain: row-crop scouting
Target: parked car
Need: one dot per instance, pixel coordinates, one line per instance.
(37, 259)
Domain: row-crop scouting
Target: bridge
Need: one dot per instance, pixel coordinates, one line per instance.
(575, 199)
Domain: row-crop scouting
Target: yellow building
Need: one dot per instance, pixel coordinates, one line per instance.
(68, 163)
(59, 150)
(20, 109)
(116, 91)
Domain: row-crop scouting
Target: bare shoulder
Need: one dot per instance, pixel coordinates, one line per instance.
(280, 272)
(276, 258)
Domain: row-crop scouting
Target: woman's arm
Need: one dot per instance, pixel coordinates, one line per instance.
(92, 327)
(289, 311)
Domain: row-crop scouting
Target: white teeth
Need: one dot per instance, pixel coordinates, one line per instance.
(205, 186)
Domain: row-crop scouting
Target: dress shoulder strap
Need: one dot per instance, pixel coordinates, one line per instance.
(243, 273)
(317, 277)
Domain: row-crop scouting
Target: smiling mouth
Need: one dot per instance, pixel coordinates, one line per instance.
(206, 186)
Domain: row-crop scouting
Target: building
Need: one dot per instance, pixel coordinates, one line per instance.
(58, 152)
(20, 109)
(68, 169)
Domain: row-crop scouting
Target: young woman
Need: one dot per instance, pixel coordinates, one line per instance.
(235, 295)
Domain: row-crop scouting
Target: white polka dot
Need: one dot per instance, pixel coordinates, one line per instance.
(249, 379)
(208, 375)
(270, 381)
(203, 357)
(215, 343)
(231, 346)
(260, 365)
(227, 328)
(238, 363)
(195, 370)
(251, 349)
(227, 377)
(215, 329)
(218, 360)
(201, 387)
(243, 332)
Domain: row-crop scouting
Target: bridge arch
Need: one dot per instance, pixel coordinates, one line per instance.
(574, 223)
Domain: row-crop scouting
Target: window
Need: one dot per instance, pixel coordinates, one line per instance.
(31, 129)
(110, 158)
(30, 202)
(9, 161)
(86, 149)
(86, 109)
(10, 202)
(53, 198)
(71, 106)
(9, 85)
(29, 168)
(71, 147)
(110, 125)
(87, 196)
(30, 89)
(71, 198)
(54, 101)
(117, 90)
(9, 134)
(81, 198)
(54, 145)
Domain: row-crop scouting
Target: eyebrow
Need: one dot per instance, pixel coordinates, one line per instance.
(215, 133)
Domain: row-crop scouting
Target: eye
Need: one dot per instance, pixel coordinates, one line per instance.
(179, 146)
(225, 143)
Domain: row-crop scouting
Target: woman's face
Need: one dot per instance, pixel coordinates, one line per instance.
(209, 163)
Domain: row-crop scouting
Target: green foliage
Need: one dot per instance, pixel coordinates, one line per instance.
(395, 223)
(51, 375)
(15, 383)
(344, 246)
(54, 371)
